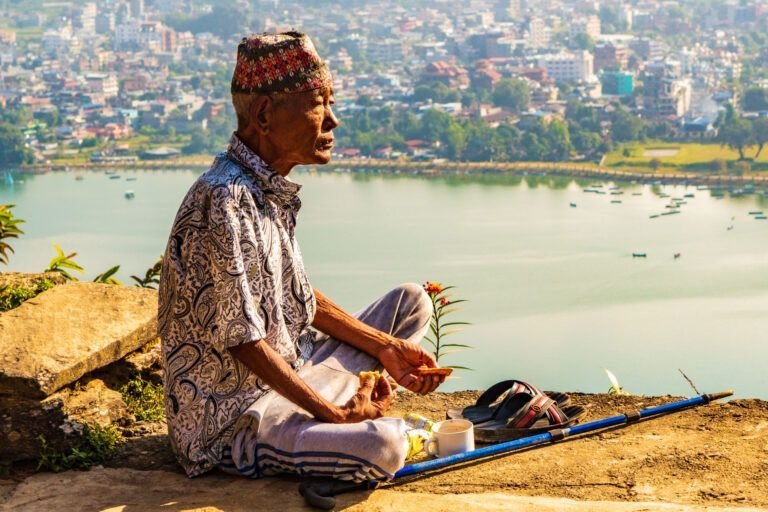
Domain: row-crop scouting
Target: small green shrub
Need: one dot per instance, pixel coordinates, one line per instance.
(62, 262)
(151, 276)
(12, 296)
(106, 277)
(9, 228)
(95, 446)
(144, 399)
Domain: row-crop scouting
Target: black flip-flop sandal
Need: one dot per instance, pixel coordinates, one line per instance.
(526, 415)
(491, 400)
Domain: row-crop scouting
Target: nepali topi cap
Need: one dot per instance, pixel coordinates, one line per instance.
(285, 62)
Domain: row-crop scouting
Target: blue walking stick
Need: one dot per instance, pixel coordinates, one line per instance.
(320, 494)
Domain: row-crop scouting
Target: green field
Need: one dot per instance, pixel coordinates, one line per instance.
(689, 156)
(136, 143)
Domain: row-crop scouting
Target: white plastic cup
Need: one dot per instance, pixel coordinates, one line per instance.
(450, 437)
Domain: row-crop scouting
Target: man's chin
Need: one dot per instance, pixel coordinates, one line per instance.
(322, 157)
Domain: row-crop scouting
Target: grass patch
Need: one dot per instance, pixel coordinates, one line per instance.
(690, 155)
(144, 399)
(12, 296)
(95, 446)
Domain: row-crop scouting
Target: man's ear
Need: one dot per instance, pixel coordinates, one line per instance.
(261, 114)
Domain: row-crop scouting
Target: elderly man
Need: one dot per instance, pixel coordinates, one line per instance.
(250, 389)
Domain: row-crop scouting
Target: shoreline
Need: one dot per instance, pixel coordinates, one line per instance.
(570, 169)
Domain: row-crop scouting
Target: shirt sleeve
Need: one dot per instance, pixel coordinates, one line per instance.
(235, 272)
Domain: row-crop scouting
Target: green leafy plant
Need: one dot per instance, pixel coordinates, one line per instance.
(9, 228)
(12, 296)
(144, 399)
(442, 305)
(96, 445)
(151, 277)
(106, 277)
(62, 262)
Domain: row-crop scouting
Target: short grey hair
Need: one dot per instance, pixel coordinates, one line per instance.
(242, 102)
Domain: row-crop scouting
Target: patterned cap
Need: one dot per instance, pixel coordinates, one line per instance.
(286, 62)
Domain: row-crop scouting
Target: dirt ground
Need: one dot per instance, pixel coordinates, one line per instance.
(710, 457)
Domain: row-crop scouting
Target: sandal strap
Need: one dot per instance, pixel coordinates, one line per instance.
(518, 386)
(531, 412)
(494, 392)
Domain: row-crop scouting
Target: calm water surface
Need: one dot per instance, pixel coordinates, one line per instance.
(555, 294)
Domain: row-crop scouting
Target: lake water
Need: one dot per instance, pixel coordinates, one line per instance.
(555, 293)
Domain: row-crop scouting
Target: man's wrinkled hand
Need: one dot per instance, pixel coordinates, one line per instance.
(402, 360)
(371, 401)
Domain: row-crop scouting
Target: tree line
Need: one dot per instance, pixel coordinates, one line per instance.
(535, 137)
(741, 133)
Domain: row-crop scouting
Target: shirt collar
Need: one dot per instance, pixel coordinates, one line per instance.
(275, 186)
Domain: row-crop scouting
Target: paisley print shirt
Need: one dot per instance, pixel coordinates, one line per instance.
(232, 274)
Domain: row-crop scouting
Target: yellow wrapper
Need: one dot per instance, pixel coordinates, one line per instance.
(416, 439)
(364, 375)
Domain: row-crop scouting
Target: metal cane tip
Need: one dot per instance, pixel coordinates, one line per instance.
(718, 395)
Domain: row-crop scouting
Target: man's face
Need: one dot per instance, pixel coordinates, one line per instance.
(301, 127)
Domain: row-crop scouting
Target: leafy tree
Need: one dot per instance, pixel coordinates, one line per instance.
(760, 134)
(532, 146)
(436, 126)
(13, 150)
(736, 134)
(203, 141)
(364, 100)
(586, 117)
(755, 99)
(453, 142)
(626, 127)
(16, 116)
(585, 141)
(512, 93)
(407, 124)
(583, 41)
(481, 142)
(222, 21)
(437, 92)
(557, 140)
(507, 143)
(611, 20)
(90, 142)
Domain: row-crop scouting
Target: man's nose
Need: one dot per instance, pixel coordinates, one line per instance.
(331, 121)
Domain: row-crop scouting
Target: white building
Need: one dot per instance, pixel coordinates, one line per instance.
(569, 67)
(142, 35)
(60, 41)
(538, 33)
(589, 25)
(7, 54)
(84, 18)
(387, 50)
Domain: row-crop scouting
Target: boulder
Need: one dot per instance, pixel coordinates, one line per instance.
(29, 280)
(57, 337)
(59, 419)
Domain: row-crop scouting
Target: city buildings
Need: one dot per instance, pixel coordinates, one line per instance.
(143, 67)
